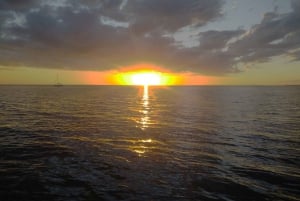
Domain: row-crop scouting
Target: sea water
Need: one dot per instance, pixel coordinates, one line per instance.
(161, 143)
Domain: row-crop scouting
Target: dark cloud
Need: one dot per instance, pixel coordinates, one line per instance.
(99, 35)
(217, 39)
(295, 55)
(276, 35)
(16, 4)
(171, 15)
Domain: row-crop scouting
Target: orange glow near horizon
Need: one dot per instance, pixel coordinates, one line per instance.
(93, 77)
(189, 78)
(145, 75)
(145, 78)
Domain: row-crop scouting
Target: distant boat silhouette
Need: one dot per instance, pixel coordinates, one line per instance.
(58, 84)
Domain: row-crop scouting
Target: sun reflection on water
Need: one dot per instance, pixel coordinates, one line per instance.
(145, 119)
(142, 147)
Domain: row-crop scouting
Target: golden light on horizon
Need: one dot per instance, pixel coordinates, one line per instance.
(145, 75)
(146, 78)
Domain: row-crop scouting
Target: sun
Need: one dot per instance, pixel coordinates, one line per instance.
(146, 78)
(144, 74)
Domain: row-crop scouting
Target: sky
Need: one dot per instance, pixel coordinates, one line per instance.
(204, 42)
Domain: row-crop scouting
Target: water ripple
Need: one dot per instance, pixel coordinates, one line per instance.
(177, 143)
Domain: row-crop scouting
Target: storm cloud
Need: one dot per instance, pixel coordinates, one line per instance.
(101, 35)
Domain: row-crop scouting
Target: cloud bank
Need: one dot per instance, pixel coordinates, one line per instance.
(102, 35)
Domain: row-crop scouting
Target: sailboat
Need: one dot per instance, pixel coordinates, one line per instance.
(58, 84)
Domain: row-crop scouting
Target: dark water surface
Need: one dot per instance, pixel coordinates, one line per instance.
(176, 143)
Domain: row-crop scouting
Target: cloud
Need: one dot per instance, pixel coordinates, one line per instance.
(171, 15)
(100, 35)
(16, 4)
(276, 35)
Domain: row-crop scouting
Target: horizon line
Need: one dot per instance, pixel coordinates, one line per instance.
(189, 85)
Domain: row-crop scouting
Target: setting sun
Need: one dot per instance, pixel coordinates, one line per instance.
(145, 75)
(145, 78)
(150, 78)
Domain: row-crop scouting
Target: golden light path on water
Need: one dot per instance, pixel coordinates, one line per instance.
(145, 76)
(145, 112)
(144, 122)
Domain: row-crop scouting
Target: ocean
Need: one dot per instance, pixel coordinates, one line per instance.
(89, 143)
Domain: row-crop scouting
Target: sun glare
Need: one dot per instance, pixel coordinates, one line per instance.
(145, 74)
(146, 79)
